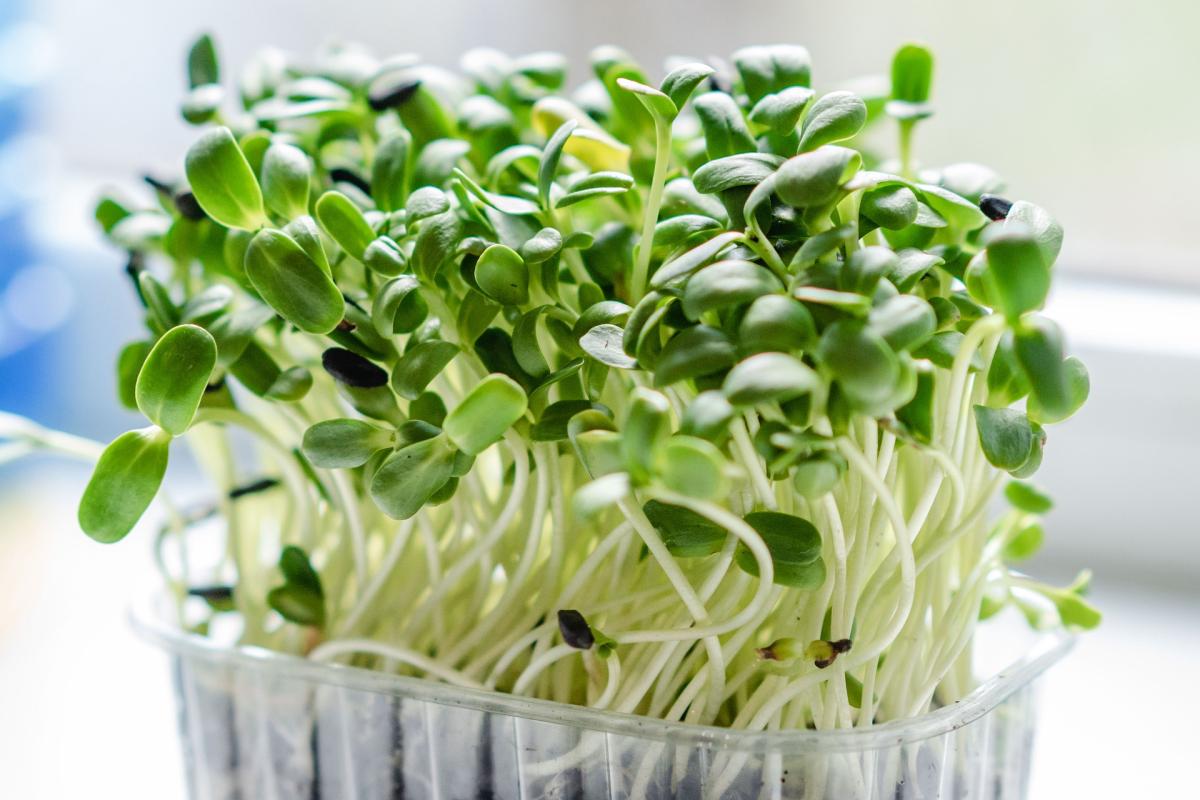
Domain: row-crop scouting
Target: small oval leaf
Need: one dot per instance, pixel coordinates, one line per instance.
(490, 409)
(222, 181)
(292, 283)
(173, 378)
(125, 481)
(795, 546)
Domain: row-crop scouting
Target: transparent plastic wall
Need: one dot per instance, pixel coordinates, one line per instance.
(260, 726)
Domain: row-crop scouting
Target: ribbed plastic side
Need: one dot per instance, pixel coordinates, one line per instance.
(253, 731)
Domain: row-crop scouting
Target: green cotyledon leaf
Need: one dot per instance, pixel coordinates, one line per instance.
(694, 467)
(767, 377)
(860, 359)
(297, 604)
(420, 364)
(834, 117)
(795, 547)
(813, 178)
(488, 410)
(411, 475)
(203, 66)
(683, 80)
(1038, 345)
(222, 181)
(344, 222)
(550, 158)
(174, 375)
(695, 351)
(685, 533)
(502, 275)
(292, 283)
(298, 569)
(129, 364)
(286, 174)
(1017, 273)
(912, 74)
(765, 69)
(124, 482)
(1006, 436)
(343, 443)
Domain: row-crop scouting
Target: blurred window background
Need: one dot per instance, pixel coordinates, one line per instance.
(1083, 106)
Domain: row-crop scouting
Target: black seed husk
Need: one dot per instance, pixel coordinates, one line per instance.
(343, 175)
(994, 207)
(188, 207)
(158, 185)
(214, 594)
(133, 268)
(352, 369)
(135, 265)
(254, 487)
(575, 630)
(392, 96)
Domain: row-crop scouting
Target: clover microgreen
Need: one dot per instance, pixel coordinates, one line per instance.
(686, 359)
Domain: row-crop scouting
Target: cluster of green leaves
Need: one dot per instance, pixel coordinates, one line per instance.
(639, 272)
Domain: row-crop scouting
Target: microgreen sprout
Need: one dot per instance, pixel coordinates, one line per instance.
(689, 358)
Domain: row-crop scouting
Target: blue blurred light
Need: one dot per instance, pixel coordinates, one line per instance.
(26, 356)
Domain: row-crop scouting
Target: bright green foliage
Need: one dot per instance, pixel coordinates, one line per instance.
(508, 341)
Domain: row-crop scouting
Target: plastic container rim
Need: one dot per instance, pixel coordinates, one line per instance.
(1049, 648)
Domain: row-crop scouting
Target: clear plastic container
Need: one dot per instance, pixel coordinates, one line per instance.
(257, 725)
